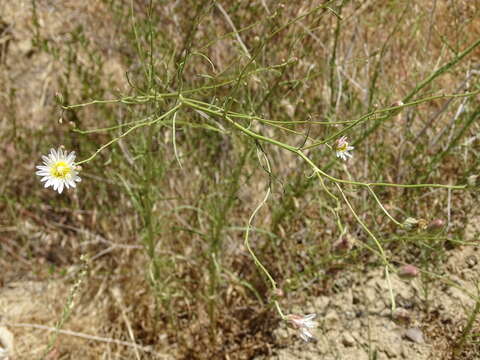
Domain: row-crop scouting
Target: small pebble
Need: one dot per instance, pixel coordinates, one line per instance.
(6, 343)
(348, 340)
(331, 318)
(471, 261)
(415, 335)
(404, 302)
(402, 316)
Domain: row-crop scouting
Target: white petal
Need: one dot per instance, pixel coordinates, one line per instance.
(306, 335)
(311, 324)
(71, 157)
(309, 317)
(46, 159)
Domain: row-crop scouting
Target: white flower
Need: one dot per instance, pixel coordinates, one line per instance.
(342, 148)
(303, 324)
(58, 170)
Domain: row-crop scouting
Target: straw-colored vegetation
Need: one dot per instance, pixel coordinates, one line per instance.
(212, 203)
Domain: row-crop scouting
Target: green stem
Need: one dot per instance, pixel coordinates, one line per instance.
(300, 153)
(250, 250)
(149, 123)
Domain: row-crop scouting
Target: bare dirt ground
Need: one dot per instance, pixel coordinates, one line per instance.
(355, 322)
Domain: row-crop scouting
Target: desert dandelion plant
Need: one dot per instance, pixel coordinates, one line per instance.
(59, 170)
(342, 148)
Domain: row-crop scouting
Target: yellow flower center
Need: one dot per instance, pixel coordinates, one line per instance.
(60, 169)
(342, 147)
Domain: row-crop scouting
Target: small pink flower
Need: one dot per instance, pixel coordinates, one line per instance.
(342, 148)
(303, 324)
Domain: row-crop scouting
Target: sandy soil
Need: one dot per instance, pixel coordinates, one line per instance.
(355, 321)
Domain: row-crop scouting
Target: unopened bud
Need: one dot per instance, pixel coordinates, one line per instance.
(436, 224)
(343, 244)
(410, 223)
(278, 293)
(59, 98)
(422, 224)
(408, 271)
(472, 180)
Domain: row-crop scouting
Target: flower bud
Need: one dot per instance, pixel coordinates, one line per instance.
(278, 293)
(408, 271)
(343, 244)
(472, 180)
(436, 224)
(410, 223)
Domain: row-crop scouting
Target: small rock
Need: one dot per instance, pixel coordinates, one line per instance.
(6, 343)
(348, 340)
(350, 315)
(370, 295)
(322, 302)
(471, 261)
(402, 316)
(415, 335)
(404, 302)
(331, 318)
(3, 353)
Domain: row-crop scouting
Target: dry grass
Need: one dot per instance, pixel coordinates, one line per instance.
(168, 270)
